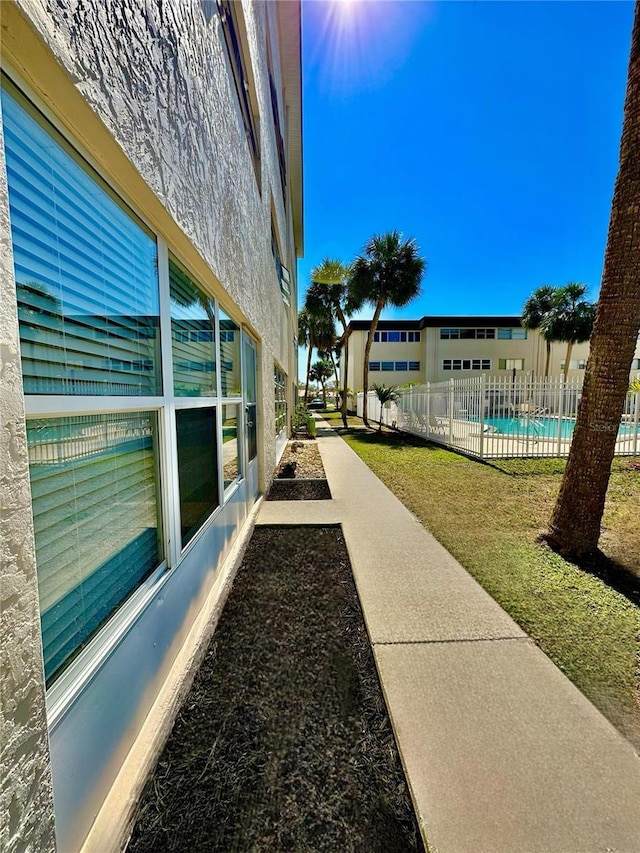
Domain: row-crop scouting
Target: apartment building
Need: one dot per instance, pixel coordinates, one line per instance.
(151, 207)
(434, 349)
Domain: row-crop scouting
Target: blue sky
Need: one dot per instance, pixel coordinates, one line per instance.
(489, 131)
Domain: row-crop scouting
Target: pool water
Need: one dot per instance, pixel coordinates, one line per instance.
(541, 427)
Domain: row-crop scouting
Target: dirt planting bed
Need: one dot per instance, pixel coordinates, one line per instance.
(299, 490)
(283, 743)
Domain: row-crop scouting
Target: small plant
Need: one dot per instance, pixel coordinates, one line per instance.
(300, 419)
(385, 395)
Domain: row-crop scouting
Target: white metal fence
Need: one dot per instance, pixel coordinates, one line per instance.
(491, 417)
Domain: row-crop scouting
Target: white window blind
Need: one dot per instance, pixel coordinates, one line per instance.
(96, 516)
(86, 271)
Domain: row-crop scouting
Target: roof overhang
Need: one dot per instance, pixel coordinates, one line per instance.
(290, 36)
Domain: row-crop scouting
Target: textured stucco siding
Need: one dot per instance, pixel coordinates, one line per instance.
(26, 805)
(157, 75)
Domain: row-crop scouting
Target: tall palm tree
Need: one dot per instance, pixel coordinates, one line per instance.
(330, 288)
(570, 318)
(574, 529)
(389, 272)
(534, 310)
(315, 331)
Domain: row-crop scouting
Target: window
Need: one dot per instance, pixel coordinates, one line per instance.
(387, 365)
(230, 367)
(230, 459)
(402, 365)
(193, 336)
(197, 468)
(466, 364)
(574, 364)
(396, 337)
(467, 334)
(414, 365)
(231, 28)
(85, 269)
(280, 388)
(374, 365)
(96, 514)
(512, 334)
(281, 271)
(635, 364)
(511, 364)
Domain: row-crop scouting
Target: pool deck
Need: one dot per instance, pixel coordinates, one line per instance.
(501, 752)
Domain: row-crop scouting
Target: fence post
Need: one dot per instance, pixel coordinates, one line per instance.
(427, 408)
(451, 413)
(561, 389)
(635, 422)
(483, 382)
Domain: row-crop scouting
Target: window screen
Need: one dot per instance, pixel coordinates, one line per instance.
(197, 468)
(193, 343)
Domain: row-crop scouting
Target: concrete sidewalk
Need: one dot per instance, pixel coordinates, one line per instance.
(502, 753)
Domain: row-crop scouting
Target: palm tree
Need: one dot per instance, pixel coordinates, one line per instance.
(330, 288)
(315, 331)
(385, 395)
(574, 529)
(388, 273)
(570, 318)
(320, 372)
(534, 310)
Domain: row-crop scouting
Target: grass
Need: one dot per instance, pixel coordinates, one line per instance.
(489, 516)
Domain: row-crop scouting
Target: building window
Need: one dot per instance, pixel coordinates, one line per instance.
(85, 269)
(96, 514)
(511, 364)
(575, 364)
(230, 367)
(282, 272)
(230, 457)
(231, 28)
(192, 336)
(280, 389)
(374, 365)
(467, 334)
(512, 334)
(402, 365)
(197, 468)
(396, 337)
(466, 364)
(387, 365)
(414, 365)
(635, 364)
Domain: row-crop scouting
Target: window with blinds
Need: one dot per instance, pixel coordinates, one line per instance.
(193, 336)
(94, 485)
(86, 272)
(230, 373)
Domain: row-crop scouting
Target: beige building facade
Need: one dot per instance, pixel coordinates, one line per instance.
(435, 349)
(152, 216)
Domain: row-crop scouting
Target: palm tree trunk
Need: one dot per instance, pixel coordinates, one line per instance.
(306, 388)
(345, 379)
(575, 524)
(548, 360)
(367, 350)
(567, 360)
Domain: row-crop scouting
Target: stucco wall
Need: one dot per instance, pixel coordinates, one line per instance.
(157, 76)
(26, 805)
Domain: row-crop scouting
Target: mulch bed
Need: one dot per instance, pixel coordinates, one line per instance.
(283, 743)
(299, 490)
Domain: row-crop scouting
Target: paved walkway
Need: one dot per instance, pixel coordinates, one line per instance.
(502, 753)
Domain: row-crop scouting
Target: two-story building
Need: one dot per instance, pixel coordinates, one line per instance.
(151, 221)
(434, 349)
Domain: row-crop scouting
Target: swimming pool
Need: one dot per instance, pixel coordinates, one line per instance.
(540, 427)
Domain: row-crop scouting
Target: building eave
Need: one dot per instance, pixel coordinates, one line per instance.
(290, 37)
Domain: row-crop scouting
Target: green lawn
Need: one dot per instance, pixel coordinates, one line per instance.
(488, 517)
